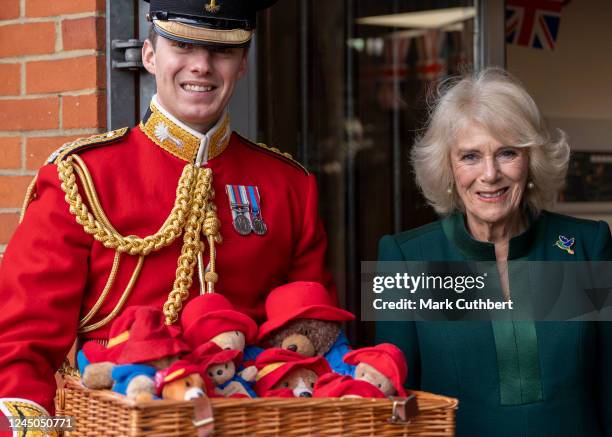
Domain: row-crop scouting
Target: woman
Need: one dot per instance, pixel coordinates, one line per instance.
(489, 166)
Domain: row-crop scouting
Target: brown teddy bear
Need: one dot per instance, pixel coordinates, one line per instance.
(181, 381)
(384, 366)
(219, 367)
(302, 318)
(334, 385)
(212, 318)
(308, 337)
(283, 373)
(139, 345)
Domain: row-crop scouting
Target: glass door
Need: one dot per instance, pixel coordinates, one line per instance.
(344, 85)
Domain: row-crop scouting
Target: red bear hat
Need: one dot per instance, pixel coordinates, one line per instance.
(138, 335)
(300, 300)
(334, 385)
(387, 358)
(275, 363)
(178, 370)
(210, 353)
(208, 315)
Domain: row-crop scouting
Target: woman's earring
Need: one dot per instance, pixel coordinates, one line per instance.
(449, 191)
(530, 185)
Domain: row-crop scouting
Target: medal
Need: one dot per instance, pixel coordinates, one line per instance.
(239, 205)
(242, 224)
(259, 226)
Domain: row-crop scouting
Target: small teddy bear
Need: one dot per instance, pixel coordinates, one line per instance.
(181, 381)
(219, 367)
(333, 385)
(139, 345)
(384, 366)
(302, 318)
(284, 373)
(212, 318)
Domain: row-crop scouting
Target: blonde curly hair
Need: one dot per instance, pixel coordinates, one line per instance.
(497, 101)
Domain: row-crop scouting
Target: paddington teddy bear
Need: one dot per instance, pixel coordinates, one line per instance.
(139, 345)
(384, 366)
(333, 385)
(284, 373)
(181, 381)
(302, 318)
(212, 318)
(219, 366)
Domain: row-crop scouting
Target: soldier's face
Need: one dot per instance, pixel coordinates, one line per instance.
(194, 83)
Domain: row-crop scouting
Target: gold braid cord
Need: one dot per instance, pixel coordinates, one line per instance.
(30, 195)
(202, 210)
(212, 224)
(97, 224)
(193, 213)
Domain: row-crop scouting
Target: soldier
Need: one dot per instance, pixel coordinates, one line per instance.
(158, 213)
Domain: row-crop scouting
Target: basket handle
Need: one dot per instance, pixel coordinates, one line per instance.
(404, 410)
(203, 419)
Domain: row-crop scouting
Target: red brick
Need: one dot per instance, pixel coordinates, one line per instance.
(30, 114)
(8, 224)
(27, 39)
(71, 74)
(38, 149)
(50, 8)
(10, 152)
(10, 84)
(87, 111)
(12, 190)
(9, 9)
(84, 33)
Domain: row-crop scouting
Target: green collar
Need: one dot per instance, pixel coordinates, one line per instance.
(456, 232)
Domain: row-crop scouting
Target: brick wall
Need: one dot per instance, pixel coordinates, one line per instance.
(52, 88)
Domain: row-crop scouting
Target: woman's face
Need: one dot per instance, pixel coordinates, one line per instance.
(490, 177)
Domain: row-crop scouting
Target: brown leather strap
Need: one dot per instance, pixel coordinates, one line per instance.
(203, 416)
(404, 410)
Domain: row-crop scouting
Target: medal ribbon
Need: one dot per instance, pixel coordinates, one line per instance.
(238, 207)
(259, 227)
(244, 200)
(254, 196)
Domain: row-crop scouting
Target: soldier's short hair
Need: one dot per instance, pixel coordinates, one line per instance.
(152, 35)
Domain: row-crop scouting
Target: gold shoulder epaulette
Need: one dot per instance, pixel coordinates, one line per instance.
(81, 143)
(276, 152)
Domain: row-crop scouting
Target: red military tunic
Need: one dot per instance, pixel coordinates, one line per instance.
(53, 271)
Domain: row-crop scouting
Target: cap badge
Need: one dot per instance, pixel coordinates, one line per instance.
(212, 7)
(162, 132)
(565, 243)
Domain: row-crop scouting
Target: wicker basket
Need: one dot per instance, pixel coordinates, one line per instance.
(104, 413)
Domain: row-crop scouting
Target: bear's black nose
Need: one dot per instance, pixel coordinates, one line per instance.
(292, 347)
(219, 372)
(305, 394)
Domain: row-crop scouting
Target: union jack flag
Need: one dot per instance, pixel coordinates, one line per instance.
(432, 58)
(533, 23)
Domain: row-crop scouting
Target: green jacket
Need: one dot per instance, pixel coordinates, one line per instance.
(511, 378)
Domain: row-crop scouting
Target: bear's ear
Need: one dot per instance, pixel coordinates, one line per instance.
(324, 335)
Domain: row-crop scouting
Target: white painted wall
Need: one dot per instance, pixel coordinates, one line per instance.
(573, 84)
